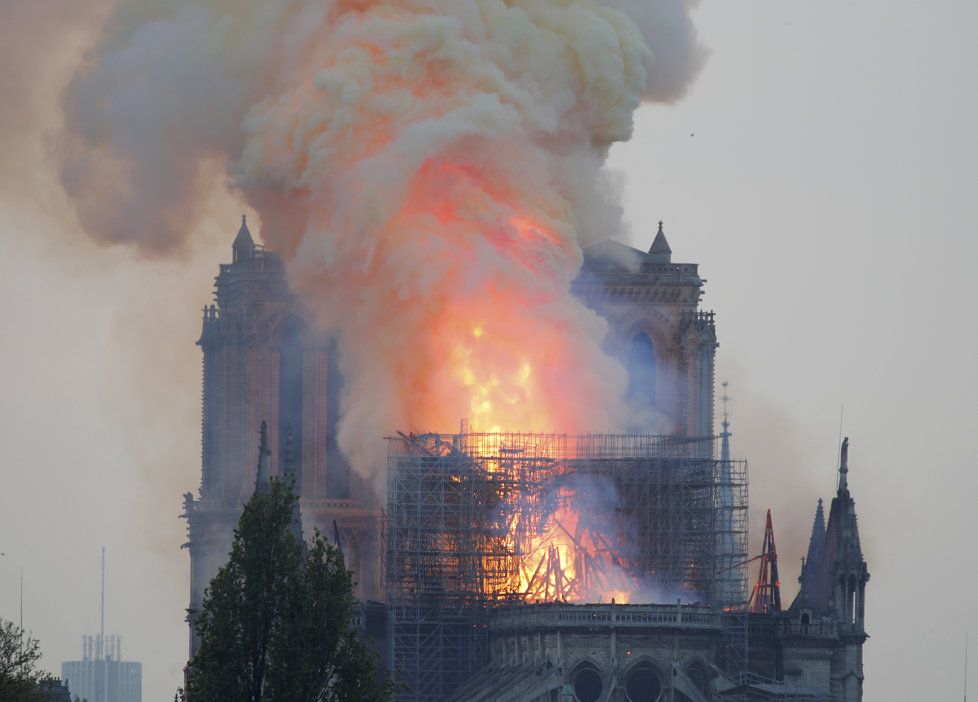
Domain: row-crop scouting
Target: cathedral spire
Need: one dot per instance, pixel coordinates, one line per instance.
(816, 545)
(725, 434)
(841, 575)
(818, 531)
(660, 251)
(262, 483)
(243, 246)
(730, 584)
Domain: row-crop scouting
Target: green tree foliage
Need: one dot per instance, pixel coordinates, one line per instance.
(277, 620)
(19, 674)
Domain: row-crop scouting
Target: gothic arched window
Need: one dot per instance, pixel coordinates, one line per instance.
(641, 371)
(290, 397)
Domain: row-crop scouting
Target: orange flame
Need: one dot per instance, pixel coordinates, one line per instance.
(554, 550)
(570, 562)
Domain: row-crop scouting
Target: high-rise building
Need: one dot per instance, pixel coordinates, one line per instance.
(101, 675)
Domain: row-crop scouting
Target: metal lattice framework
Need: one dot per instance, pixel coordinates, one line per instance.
(468, 515)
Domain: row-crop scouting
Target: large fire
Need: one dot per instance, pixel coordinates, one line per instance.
(516, 361)
(562, 532)
(547, 517)
(570, 562)
(440, 171)
(428, 169)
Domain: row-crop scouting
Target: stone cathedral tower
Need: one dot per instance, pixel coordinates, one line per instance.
(657, 330)
(262, 362)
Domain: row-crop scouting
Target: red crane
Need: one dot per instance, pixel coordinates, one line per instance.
(766, 596)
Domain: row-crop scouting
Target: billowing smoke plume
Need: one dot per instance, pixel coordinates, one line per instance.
(428, 169)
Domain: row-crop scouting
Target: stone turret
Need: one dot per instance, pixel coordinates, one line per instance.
(660, 252)
(834, 573)
(243, 247)
(816, 547)
(844, 571)
(824, 632)
(834, 587)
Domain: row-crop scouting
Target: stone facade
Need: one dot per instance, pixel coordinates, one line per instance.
(656, 653)
(631, 648)
(679, 653)
(263, 363)
(812, 651)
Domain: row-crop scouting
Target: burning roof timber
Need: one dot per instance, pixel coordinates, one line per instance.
(545, 517)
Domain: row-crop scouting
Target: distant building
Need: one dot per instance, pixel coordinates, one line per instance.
(102, 675)
(53, 690)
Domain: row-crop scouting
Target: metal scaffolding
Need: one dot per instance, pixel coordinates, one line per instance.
(476, 520)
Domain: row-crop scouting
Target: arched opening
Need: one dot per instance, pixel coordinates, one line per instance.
(290, 399)
(642, 684)
(338, 479)
(852, 604)
(587, 683)
(641, 372)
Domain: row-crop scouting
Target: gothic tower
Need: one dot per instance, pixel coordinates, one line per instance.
(263, 362)
(843, 575)
(827, 620)
(658, 332)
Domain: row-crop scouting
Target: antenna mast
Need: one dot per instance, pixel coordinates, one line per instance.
(103, 691)
(101, 628)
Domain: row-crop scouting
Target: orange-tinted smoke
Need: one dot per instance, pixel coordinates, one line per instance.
(429, 170)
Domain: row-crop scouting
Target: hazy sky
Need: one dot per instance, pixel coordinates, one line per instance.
(822, 171)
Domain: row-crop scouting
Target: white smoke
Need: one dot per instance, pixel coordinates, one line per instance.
(428, 169)
(675, 56)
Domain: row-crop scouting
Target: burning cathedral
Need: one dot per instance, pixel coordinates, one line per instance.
(528, 567)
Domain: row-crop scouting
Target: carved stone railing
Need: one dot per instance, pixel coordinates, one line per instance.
(340, 506)
(820, 629)
(568, 616)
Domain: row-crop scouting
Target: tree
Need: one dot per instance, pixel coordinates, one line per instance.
(276, 624)
(19, 674)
